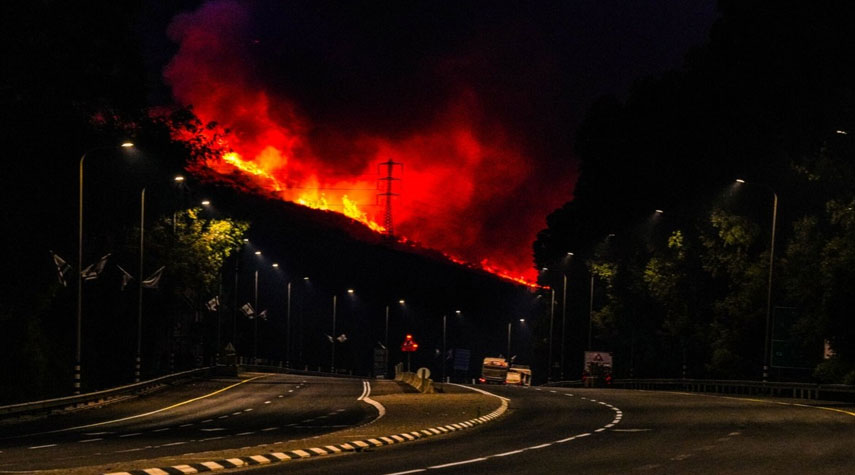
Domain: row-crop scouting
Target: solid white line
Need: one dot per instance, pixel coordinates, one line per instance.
(366, 391)
(464, 462)
(409, 471)
(137, 416)
(512, 452)
(42, 446)
(89, 440)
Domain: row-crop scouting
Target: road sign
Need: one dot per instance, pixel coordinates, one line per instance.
(599, 359)
(409, 345)
(423, 373)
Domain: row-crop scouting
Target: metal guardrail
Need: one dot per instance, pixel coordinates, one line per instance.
(97, 396)
(831, 392)
(270, 368)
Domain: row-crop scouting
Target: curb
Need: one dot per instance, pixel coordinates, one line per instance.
(352, 446)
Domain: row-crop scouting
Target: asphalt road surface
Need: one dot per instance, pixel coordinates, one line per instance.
(215, 414)
(619, 431)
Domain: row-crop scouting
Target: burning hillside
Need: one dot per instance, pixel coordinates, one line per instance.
(466, 186)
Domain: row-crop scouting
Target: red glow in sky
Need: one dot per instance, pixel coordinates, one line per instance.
(467, 187)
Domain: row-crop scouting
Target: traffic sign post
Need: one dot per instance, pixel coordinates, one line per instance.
(409, 346)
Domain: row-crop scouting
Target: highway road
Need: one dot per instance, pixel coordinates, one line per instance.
(215, 414)
(545, 430)
(620, 431)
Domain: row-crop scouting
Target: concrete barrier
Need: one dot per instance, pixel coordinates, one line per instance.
(423, 385)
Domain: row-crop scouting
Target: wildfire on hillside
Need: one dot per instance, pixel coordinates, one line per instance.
(467, 186)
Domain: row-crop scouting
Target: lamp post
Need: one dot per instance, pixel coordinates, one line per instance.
(444, 333)
(551, 319)
(78, 351)
(766, 335)
(288, 327)
(509, 344)
(332, 339)
(255, 323)
(401, 302)
(590, 311)
(140, 299)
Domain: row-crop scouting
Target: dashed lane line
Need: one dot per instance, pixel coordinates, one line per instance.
(617, 418)
(353, 446)
(163, 409)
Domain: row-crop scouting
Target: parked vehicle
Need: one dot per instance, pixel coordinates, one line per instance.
(519, 374)
(494, 371)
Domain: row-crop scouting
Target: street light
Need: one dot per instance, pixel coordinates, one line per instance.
(78, 352)
(401, 302)
(287, 319)
(564, 318)
(444, 350)
(137, 363)
(766, 335)
(332, 343)
(551, 320)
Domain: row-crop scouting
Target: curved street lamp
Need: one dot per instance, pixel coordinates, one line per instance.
(78, 351)
(766, 335)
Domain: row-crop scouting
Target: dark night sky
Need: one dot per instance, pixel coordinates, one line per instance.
(385, 65)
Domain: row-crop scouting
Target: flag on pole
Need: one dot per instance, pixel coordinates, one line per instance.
(92, 271)
(126, 277)
(247, 310)
(154, 279)
(62, 268)
(263, 315)
(214, 304)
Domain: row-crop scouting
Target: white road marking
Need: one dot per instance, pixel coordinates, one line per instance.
(133, 434)
(97, 433)
(268, 429)
(246, 433)
(186, 425)
(266, 402)
(173, 444)
(84, 441)
(131, 450)
(249, 409)
(42, 446)
(213, 429)
(512, 452)
(161, 430)
(366, 392)
(137, 416)
(462, 462)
